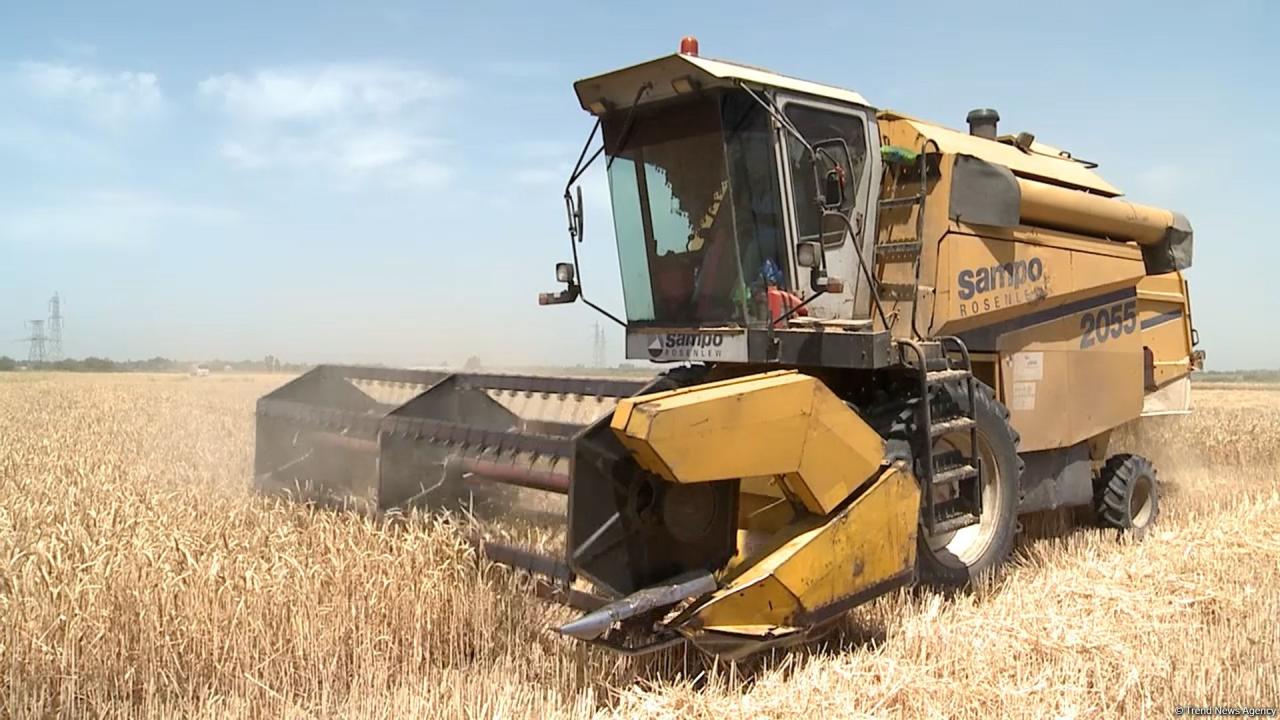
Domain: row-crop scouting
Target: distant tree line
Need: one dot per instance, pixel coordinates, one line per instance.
(155, 364)
(1249, 376)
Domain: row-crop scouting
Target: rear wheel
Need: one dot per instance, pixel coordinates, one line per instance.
(1126, 495)
(958, 557)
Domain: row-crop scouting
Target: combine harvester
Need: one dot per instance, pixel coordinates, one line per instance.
(893, 339)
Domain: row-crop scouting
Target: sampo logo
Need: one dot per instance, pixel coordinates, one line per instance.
(997, 277)
(694, 340)
(682, 343)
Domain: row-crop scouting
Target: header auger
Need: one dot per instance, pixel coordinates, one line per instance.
(894, 338)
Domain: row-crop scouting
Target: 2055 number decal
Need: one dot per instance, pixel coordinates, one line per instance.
(1108, 323)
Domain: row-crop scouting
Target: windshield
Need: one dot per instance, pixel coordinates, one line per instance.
(696, 211)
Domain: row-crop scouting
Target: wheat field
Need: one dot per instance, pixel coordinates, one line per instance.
(139, 577)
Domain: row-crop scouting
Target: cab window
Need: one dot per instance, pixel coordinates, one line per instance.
(834, 132)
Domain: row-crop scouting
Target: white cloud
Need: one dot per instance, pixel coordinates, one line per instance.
(323, 93)
(357, 122)
(352, 154)
(102, 96)
(109, 217)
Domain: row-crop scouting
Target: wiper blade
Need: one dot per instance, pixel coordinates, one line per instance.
(630, 123)
(580, 168)
(773, 111)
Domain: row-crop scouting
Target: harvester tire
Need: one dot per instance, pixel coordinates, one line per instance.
(1126, 494)
(940, 567)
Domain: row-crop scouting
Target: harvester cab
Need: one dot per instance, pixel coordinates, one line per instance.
(742, 202)
(882, 334)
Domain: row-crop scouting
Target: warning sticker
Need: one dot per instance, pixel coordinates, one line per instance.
(1028, 366)
(1023, 396)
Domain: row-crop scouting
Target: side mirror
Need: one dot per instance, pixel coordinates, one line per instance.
(832, 160)
(577, 215)
(809, 254)
(574, 211)
(833, 189)
(564, 274)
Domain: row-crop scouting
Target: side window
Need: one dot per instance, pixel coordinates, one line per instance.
(834, 132)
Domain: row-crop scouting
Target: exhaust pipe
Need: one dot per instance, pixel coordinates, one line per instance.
(982, 122)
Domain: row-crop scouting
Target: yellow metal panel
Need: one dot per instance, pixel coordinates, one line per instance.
(991, 280)
(771, 424)
(871, 542)
(763, 600)
(754, 426)
(1047, 237)
(839, 449)
(1166, 330)
(795, 483)
(766, 485)
(1063, 385)
(623, 417)
(761, 512)
(1035, 165)
(1097, 271)
(868, 543)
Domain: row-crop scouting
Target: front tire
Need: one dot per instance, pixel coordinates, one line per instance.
(961, 557)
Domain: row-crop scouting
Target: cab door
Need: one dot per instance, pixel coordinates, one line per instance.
(831, 125)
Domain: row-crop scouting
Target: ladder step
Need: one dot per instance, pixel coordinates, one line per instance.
(898, 292)
(964, 472)
(902, 201)
(909, 248)
(955, 523)
(946, 427)
(941, 376)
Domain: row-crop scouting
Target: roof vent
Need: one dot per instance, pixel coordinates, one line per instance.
(982, 122)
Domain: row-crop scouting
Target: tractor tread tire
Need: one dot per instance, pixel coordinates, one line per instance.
(993, 423)
(1113, 489)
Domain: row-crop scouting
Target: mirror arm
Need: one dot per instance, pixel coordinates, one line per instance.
(604, 312)
(574, 291)
(579, 168)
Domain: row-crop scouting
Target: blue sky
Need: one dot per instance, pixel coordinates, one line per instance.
(380, 182)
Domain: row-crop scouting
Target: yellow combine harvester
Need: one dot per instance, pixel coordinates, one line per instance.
(893, 339)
